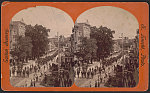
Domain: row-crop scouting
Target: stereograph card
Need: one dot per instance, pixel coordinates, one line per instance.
(74, 46)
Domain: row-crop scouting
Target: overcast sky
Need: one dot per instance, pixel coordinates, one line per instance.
(58, 21)
(112, 17)
(50, 17)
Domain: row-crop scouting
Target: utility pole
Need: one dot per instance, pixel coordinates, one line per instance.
(122, 46)
(58, 51)
(123, 57)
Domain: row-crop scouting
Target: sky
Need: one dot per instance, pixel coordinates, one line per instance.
(117, 19)
(50, 17)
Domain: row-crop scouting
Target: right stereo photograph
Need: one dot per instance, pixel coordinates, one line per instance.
(105, 43)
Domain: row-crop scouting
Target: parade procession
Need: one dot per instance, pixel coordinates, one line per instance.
(46, 52)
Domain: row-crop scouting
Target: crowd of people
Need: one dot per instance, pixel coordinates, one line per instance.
(99, 73)
(36, 73)
(61, 76)
(32, 72)
(111, 60)
(84, 73)
(66, 75)
(20, 71)
(125, 74)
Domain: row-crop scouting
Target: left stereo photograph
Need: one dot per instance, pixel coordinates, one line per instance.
(40, 48)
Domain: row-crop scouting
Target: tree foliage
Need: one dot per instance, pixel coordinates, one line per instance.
(103, 36)
(23, 48)
(39, 37)
(87, 48)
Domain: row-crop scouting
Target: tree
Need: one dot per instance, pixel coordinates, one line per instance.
(103, 36)
(23, 49)
(87, 49)
(90, 49)
(15, 52)
(39, 37)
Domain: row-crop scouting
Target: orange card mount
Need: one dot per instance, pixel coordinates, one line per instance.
(74, 46)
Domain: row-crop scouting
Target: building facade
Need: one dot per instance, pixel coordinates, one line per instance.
(116, 46)
(53, 43)
(79, 31)
(17, 28)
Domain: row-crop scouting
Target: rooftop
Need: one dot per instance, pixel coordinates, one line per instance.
(17, 22)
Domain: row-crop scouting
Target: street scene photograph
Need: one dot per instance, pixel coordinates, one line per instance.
(40, 53)
(106, 48)
(47, 49)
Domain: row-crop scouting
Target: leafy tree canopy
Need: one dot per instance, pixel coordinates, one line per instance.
(39, 37)
(103, 37)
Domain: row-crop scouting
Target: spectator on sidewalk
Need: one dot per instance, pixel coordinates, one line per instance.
(95, 84)
(27, 72)
(78, 72)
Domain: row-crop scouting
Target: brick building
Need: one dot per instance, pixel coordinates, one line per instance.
(17, 28)
(79, 31)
